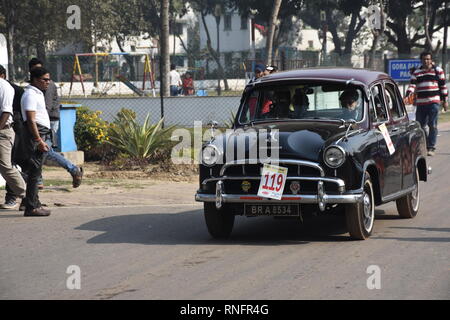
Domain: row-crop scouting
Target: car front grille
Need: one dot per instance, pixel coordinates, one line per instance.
(296, 168)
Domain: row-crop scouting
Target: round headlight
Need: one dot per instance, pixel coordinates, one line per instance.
(334, 156)
(210, 155)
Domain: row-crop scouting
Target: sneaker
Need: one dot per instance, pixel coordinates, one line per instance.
(430, 153)
(37, 212)
(9, 205)
(77, 176)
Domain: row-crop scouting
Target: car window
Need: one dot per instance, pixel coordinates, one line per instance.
(392, 101)
(324, 100)
(380, 113)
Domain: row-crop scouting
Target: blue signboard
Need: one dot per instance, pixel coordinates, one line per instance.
(399, 70)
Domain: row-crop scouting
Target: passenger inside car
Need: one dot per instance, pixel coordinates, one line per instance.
(300, 104)
(282, 101)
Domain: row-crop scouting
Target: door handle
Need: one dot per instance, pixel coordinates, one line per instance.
(394, 130)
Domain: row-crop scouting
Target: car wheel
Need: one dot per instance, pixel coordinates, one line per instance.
(408, 206)
(218, 221)
(360, 217)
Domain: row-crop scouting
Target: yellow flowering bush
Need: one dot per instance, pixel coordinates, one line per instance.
(91, 131)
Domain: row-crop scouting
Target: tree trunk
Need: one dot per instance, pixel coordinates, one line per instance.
(376, 39)
(373, 50)
(10, 45)
(164, 54)
(333, 30)
(10, 15)
(212, 52)
(40, 51)
(220, 70)
(271, 33)
(428, 43)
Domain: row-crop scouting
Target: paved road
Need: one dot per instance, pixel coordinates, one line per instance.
(165, 252)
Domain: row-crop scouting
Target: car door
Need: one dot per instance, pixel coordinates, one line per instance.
(408, 168)
(398, 128)
(390, 165)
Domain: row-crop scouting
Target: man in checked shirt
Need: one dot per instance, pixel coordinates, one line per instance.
(428, 82)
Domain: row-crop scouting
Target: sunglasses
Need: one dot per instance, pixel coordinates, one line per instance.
(45, 79)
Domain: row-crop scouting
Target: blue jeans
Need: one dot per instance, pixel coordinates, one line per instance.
(174, 91)
(428, 115)
(58, 158)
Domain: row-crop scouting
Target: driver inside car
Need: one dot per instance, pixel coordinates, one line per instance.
(349, 103)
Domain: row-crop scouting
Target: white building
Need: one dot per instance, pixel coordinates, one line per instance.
(235, 33)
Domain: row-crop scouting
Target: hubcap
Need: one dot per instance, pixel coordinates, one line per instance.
(368, 210)
(415, 195)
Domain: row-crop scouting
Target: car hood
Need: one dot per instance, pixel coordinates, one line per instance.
(297, 140)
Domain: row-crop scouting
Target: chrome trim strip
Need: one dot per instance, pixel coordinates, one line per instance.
(307, 199)
(286, 161)
(397, 195)
(339, 182)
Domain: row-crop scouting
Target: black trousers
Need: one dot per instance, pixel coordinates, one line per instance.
(33, 166)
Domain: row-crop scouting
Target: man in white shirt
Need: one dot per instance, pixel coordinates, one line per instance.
(175, 81)
(37, 131)
(11, 175)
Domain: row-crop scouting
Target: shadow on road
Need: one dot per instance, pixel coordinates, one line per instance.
(423, 229)
(419, 239)
(189, 228)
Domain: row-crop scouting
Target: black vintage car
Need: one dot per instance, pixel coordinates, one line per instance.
(312, 141)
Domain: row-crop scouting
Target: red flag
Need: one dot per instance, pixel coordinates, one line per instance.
(261, 28)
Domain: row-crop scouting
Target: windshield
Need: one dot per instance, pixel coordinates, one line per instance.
(329, 100)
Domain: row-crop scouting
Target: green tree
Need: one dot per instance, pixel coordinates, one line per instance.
(204, 8)
(342, 17)
(411, 25)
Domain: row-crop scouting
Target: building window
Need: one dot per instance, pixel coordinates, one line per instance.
(176, 29)
(244, 23)
(310, 44)
(227, 22)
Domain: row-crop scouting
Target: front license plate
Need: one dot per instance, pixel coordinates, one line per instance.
(284, 210)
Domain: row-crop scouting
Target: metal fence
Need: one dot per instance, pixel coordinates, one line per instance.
(109, 83)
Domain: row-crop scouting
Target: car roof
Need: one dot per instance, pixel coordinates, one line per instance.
(361, 75)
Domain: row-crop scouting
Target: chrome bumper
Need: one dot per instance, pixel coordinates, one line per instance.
(307, 199)
(321, 198)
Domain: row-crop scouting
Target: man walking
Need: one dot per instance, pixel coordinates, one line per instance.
(37, 131)
(11, 175)
(428, 82)
(52, 105)
(175, 81)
